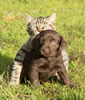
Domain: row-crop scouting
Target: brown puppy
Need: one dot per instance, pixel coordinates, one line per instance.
(46, 59)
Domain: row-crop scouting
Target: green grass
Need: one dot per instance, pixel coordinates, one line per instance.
(70, 22)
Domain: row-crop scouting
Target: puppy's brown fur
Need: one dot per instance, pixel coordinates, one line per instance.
(46, 59)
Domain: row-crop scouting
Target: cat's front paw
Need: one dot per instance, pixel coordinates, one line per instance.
(13, 83)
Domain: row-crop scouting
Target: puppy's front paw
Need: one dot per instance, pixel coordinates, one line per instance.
(71, 85)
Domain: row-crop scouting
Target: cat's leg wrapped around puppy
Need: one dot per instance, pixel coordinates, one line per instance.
(15, 73)
(17, 65)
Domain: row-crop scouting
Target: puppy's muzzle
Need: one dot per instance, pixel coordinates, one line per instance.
(45, 51)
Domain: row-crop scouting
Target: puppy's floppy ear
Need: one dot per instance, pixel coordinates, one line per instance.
(62, 44)
(35, 42)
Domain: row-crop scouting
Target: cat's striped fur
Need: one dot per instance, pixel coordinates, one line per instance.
(34, 26)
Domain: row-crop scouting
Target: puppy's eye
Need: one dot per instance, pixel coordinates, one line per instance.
(53, 42)
(41, 41)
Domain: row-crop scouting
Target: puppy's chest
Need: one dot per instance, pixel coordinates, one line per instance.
(55, 62)
(49, 69)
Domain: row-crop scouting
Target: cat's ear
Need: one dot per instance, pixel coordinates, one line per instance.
(52, 18)
(28, 18)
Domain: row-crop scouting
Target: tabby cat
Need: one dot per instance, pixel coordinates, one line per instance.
(34, 26)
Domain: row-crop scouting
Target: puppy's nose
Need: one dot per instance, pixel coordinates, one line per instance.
(46, 50)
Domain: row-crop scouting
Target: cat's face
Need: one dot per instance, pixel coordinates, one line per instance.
(36, 25)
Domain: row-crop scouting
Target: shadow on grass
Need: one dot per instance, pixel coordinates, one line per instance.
(5, 63)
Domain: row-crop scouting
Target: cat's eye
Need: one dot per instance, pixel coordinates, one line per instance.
(45, 23)
(37, 27)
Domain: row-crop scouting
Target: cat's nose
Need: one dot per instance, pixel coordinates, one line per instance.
(39, 29)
